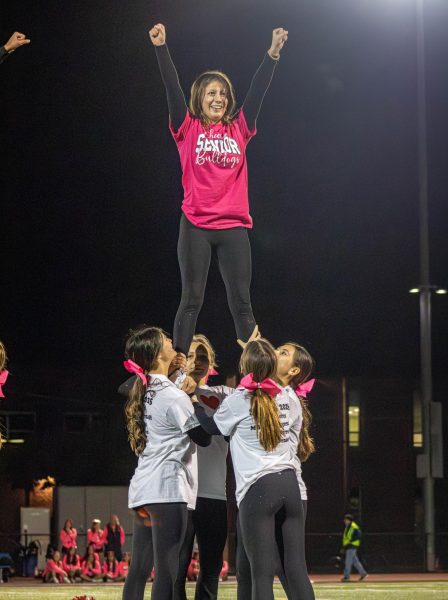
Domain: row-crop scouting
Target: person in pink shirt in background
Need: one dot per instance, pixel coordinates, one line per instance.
(123, 567)
(110, 567)
(211, 135)
(54, 570)
(68, 536)
(114, 537)
(95, 536)
(71, 563)
(91, 568)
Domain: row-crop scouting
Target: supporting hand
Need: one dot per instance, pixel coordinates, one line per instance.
(15, 41)
(279, 37)
(178, 362)
(157, 34)
(189, 385)
(254, 336)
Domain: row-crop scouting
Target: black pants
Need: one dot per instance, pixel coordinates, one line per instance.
(243, 565)
(257, 516)
(157, 540)
(209, 523)
(194, 250)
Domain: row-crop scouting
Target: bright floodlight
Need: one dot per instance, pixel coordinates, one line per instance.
(414, 291)
(441, 291)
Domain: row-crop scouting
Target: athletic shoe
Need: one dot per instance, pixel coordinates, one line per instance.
(363, 577)
(345, 580)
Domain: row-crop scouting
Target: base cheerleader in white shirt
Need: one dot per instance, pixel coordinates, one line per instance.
(208, 522)
(294, 367)
(261, 421)
(163, 433)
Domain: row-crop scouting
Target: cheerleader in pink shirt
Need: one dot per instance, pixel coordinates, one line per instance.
(211, 137)
(71, 563)
(114, 537)
(54, 570)
(95, 535)
(90, 565)
(68, 536)
(110, 567)
(123, 567)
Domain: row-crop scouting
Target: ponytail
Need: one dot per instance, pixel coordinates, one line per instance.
(260, 360)
(135, 417)
(306, 442)
(264, 412)
(304, 360)
(142, 347)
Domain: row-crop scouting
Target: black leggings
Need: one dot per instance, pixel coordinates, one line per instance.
(157, 539)
(257, 517)
(243, 565)
(209, 523)
(194, 251)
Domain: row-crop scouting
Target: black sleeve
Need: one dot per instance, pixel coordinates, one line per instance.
(206, 422)
(200, 437)
(258, 88)
(3, 54)
(177, 106)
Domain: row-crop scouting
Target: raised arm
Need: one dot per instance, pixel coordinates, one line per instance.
(177, 106)
(262, 78)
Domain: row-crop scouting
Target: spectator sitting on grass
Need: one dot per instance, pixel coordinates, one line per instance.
(54, 571)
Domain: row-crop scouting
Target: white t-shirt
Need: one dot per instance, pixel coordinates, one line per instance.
(295, 439)
(167, 471)
(212, 465)
(250, 459)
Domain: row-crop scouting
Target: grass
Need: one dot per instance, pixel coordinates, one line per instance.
(323, 591)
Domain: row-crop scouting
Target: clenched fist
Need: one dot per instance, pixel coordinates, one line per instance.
(15, 41)
(279, 37)
(157, 34)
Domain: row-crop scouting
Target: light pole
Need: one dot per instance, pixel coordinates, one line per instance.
(425, 289)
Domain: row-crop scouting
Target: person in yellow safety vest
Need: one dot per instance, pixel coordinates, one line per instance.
(351, 541)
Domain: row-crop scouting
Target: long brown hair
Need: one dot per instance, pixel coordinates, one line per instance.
(3, 356)
(303, 359)
(142, 346)
(200, 338)
(259, 358)
(198, 92)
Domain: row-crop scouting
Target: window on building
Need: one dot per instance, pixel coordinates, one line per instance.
(14, 426)
(81, 422)
(353, 419)
(417, 428)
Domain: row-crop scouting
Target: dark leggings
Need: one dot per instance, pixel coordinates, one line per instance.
(157, 539)
(209, 523)
(243, 565)
(257, 520)
(194, 250)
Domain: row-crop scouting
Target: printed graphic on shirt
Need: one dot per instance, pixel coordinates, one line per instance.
(284, 421)
(218, 148)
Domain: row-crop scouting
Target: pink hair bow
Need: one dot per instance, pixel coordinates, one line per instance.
(133, 367)
(3, 377)
(267, 385)
(305, 388)
(213, 372)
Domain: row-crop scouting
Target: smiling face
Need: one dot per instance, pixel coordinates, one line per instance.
(215, 101)
(198, 361)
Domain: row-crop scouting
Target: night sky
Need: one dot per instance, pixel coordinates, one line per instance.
(91, 192)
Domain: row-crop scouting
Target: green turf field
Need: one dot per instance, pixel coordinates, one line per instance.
(324, 591)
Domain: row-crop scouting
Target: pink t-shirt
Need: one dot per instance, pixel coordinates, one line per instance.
(214, 172)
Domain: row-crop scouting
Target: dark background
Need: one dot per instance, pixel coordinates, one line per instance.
(91, 193)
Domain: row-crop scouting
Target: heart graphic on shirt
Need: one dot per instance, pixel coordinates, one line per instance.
(210, 401)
